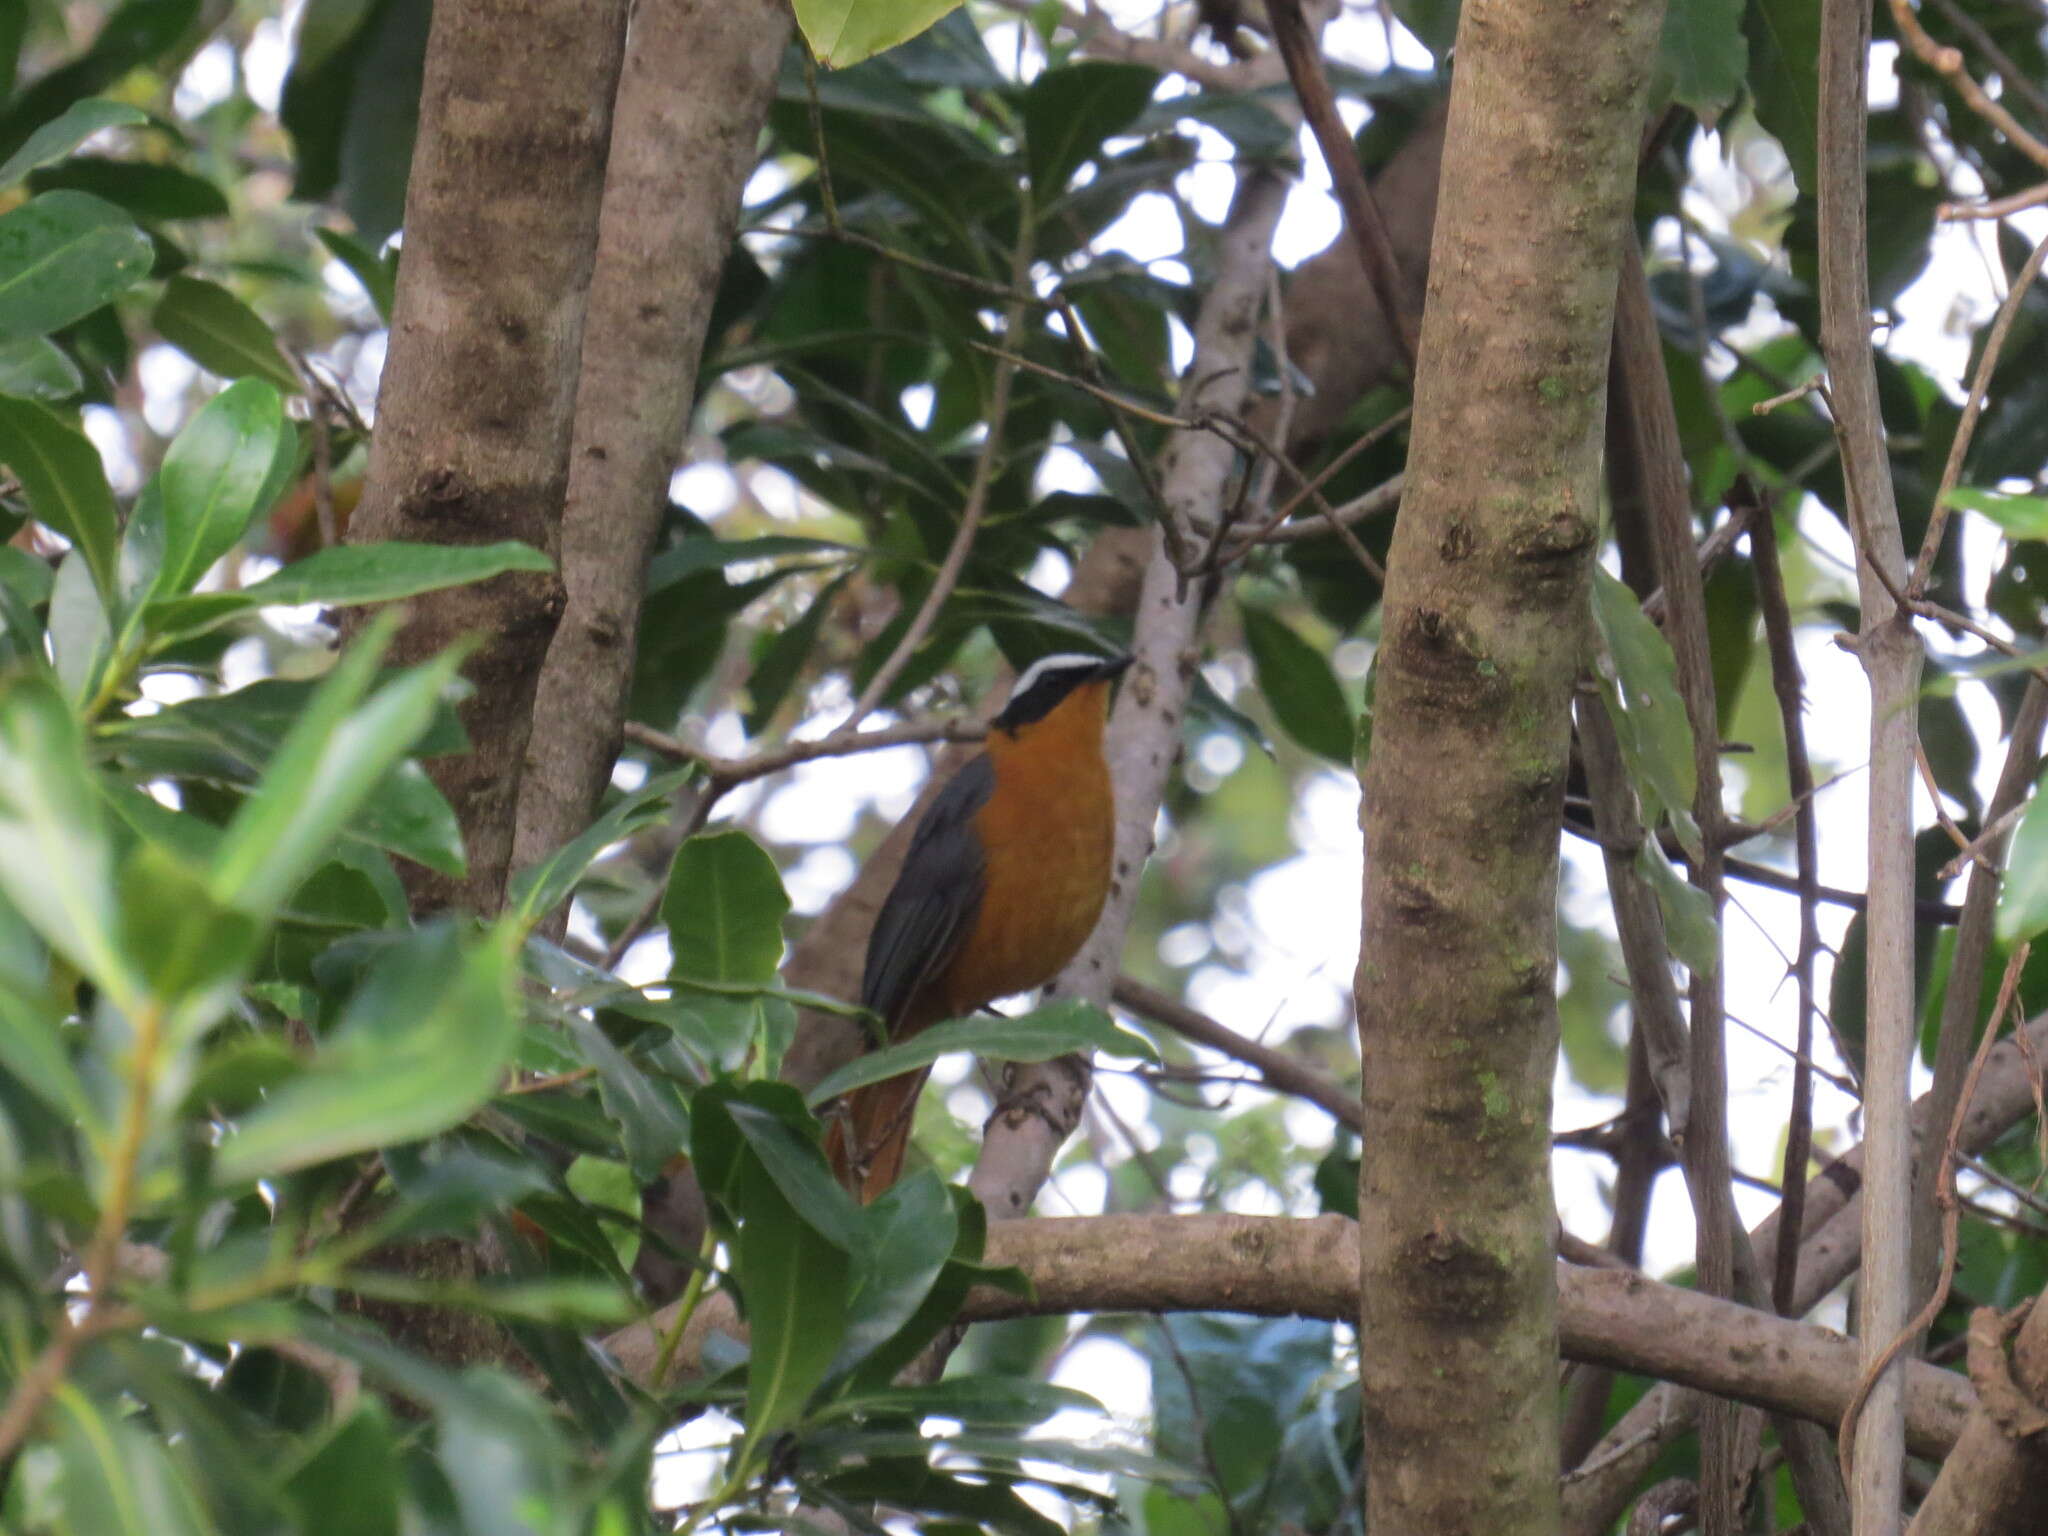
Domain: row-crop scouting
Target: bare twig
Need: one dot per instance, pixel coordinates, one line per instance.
(1951, 472)
(727, 773)
(1284, 1073)
(1948, 63)
(1368, 231)
(1848, 1438)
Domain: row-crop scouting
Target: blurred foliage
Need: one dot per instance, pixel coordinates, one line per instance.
(234, 1071)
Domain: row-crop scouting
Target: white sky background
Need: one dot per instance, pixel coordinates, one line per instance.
(1300, 917)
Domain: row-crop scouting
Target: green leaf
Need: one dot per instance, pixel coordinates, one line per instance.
(334, 756)
(538, 889)
(221, 333)
(408, 815)
(909, 1236)
(786, 1148)
(349, 1485)
(32, 1047)
(66, 483)
(1639, 680)
(220, 473)
(36, 368)
(56, 864)
(843, 32)
(724, 906)
(1069, 111)
(63, 255)
(1784, 80)
(796, 1286)
(112, 1479)
(65, 132)
(81, 636)
(1704, 52)
(1299, 686)
(1690, 929)
(351, 575)
(421, 1046)
(980, 1400)
(1434, 23)
(154, 192)
(378, 276)
(2021, 517)
(653, 1123)
(1040, 1035)
(2023, 895)
(192, 952)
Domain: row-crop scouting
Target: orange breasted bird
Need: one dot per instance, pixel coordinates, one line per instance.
(1004, 879)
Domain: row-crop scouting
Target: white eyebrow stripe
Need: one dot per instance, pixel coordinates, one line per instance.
(1049, 664)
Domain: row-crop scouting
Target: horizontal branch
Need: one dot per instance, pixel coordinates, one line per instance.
(1278, 1266)
(727, 772)
(1282, 1072)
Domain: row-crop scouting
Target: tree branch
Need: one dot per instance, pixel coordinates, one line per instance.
(1284, 1073)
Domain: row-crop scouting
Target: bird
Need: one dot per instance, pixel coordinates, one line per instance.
(1004, 879)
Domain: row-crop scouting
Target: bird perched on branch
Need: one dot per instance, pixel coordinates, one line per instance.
(1004, 879)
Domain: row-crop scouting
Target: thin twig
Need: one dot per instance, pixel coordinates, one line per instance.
(1789, 685)
(1368, 231)
(1284, 1073)
(1948, 63)
(729, 772)
(1951, 472)
(1946, 1198)
(1997, 208)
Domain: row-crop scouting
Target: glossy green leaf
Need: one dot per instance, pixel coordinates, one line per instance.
(769, 1122)
(1639, 680)
(192, 952)
(1040, 1035)
(378, 277)
(1784, 79)
(35, 368)
(421, 1046)
(2023, 894)
(2021, 517)
(157, 193)
(63, 255)
(1704, 53)
(1690, 928)
(538, 889)
(33, 1047)
(1068, 112)
(81, 635)
(724, 906)
(652, 1120)
(909, 1235)
(221, 333)
(220, 473)
(407, 814)
(350, 575)
(65, 132)
(843, 32)
(56, 864)
(342, 746)
(66, 483)
(1299, 686)
(796, 1285)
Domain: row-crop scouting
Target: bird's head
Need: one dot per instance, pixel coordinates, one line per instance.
(1053, 681)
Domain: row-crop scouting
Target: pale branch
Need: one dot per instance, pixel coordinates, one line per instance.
(1040, 1104)
(1829, 1247)
(1990, 1484)
(1279, 1266)
(1890, 650)
(1284, 1073)
(1948, 63)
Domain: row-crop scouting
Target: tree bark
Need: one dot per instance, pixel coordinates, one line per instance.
(474, 410)
(1485, 602)
(693, 93)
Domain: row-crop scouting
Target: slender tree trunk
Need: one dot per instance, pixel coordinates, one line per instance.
(695, 88)
(1485, 603)
(473, 415)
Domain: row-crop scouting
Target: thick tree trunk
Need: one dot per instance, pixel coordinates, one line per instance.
(698, 77)
(1995, 1483)
(473, 415)
(1485, 603)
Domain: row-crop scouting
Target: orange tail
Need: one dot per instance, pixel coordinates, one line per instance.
(866, 1142)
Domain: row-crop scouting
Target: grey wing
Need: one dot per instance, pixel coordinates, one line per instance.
(931, 908)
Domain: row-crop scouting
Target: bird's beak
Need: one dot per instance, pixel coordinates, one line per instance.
(1114, 666)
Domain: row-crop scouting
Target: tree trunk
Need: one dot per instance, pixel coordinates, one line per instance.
(1995, 1482)
(473, 414)
(697, 81)
(1486, 596)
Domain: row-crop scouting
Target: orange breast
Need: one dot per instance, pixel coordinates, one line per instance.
(1048, 833)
